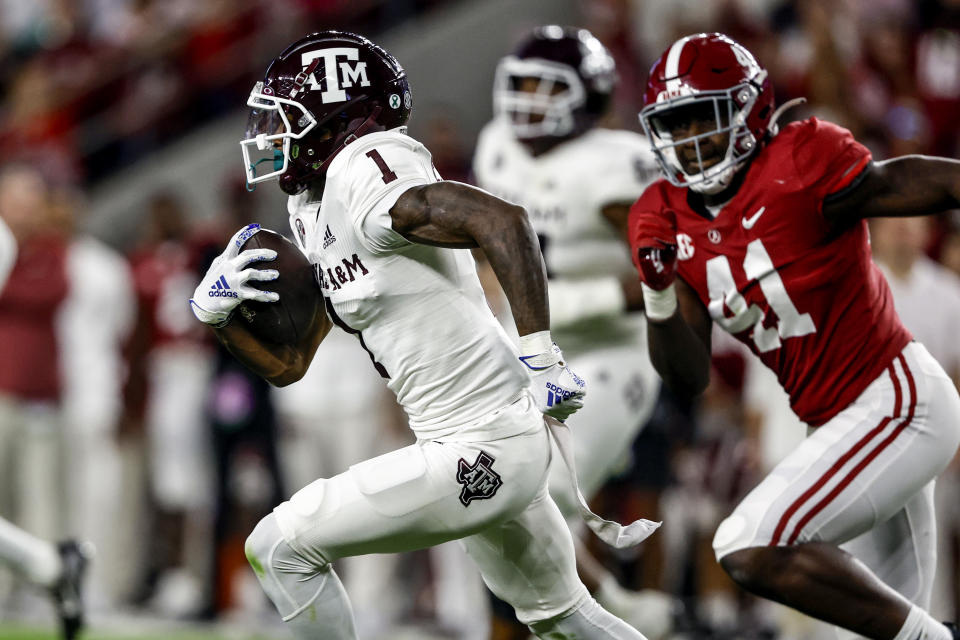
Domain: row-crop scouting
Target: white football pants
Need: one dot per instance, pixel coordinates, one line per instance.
(492, 494)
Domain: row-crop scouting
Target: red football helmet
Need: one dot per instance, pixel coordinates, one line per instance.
(321, 93)
(706, 77)
(573, 76)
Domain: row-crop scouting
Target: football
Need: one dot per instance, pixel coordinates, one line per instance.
(301, 305)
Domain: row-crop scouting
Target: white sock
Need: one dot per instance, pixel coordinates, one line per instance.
(35, 559)
(309, 596)
(589, 621)
(920, 626)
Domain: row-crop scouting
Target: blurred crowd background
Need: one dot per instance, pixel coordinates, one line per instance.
(122, 422)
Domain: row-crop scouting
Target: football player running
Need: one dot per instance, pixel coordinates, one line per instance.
(58, 568)
(544, 151)
(767, 233)
(372, 215)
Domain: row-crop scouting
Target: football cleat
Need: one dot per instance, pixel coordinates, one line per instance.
(67, 593)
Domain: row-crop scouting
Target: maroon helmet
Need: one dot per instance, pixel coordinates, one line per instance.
(574, 78)
(706, 77)
(321, 93)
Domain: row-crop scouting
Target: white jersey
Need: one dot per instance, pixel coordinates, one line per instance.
(564, 192)
(418, 310)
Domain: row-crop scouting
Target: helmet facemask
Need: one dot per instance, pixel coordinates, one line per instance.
(546, 111)
(274, 124)
(728, 110)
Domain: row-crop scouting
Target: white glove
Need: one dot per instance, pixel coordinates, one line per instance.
(225, 286)
(558, 390)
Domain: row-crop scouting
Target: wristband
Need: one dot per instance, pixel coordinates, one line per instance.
(659, 305)
(213, 319)
(534, 344)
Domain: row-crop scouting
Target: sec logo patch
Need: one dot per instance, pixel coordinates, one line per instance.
(684, 246)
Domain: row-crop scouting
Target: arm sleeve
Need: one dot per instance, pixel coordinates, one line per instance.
(378, 173)
(828, 159)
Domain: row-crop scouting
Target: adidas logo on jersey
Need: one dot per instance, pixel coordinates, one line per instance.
(328, 238)
(220, 289)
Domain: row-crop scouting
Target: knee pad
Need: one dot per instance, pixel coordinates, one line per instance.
(733, 534)
(292, 580)
(260, 542)
(267, 550)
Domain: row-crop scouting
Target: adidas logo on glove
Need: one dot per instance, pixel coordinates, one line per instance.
(556, 394)
(221, 290)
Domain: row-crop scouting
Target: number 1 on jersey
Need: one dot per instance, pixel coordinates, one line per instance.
(388, 175)
(723, 292)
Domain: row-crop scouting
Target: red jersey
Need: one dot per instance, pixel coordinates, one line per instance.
(805, 296)
(164, 276)
(29, 357)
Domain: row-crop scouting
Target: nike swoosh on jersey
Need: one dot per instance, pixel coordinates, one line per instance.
(752, 220)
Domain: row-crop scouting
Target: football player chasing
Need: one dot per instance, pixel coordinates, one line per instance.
(372, 215)
(767, 233)
(544, 151)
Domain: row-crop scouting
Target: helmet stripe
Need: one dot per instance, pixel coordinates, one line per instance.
(672, 66)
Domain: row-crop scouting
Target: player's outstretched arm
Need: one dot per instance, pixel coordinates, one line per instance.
(678, 324)
(906, 186)
(452, 214)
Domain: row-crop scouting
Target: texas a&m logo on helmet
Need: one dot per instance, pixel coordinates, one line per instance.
(343, 70)
(322, 92)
